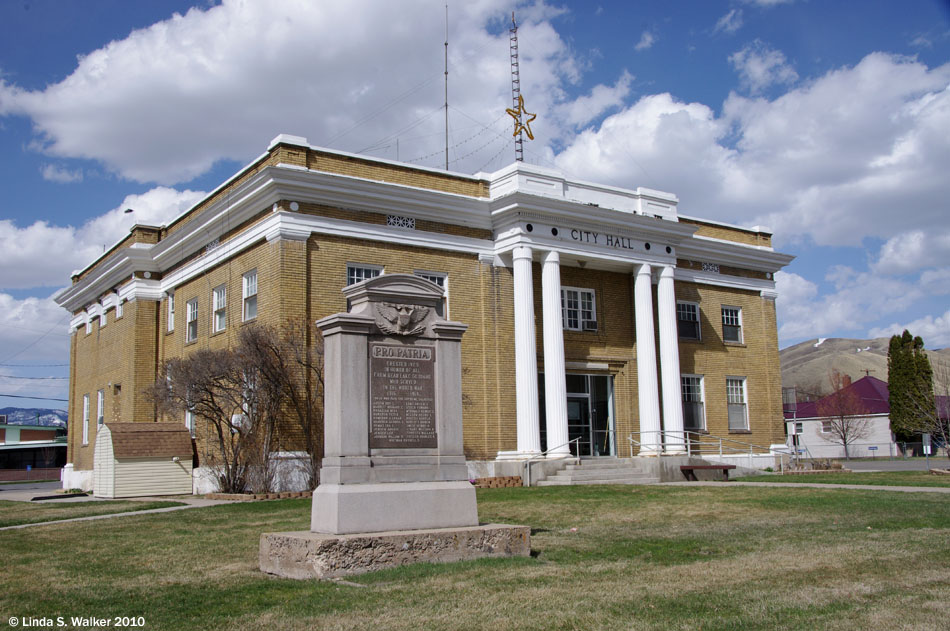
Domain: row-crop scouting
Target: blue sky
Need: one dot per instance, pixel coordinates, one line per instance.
(828, 122)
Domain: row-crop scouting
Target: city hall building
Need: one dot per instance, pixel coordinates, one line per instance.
(595, 314)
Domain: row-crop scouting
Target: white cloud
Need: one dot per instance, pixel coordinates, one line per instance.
(934, 331)
(220, 83)
(768, 3)
(659, 142)
(760, 67)
(730, 22)
(858, 299)
(29, 259)
(584, 109)
(32, 330)
(54, 173)
(914, 250)
(647, 39)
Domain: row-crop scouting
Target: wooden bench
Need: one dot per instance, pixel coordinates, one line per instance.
(689, 470)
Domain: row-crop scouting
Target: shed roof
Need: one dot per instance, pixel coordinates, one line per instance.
(150, 440)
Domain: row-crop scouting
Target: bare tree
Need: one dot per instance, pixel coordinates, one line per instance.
(291, 360)
(225, 389)
(847, 421)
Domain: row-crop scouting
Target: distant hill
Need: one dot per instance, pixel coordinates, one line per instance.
(35, 416)
(806, 366)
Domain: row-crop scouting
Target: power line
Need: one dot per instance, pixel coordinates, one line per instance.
(17, 396)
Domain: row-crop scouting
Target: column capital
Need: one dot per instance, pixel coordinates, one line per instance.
(521, 252)
(667, 271)
(551, 256)
(642, 269)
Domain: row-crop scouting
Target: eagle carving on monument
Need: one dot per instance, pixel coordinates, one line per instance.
(397, 319)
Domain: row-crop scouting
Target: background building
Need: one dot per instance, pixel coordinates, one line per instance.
(594, 312)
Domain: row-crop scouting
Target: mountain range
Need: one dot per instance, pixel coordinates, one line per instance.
(35, 416)
(807, 366)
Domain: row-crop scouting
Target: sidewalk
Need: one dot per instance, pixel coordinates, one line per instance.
(815, 485)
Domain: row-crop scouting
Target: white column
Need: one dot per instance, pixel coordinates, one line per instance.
(646, 363)
(670, 364)
(526, 356)
(555, 382)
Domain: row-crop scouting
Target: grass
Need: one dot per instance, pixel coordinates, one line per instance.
(16, 513)
(877, 478)
(727, 557)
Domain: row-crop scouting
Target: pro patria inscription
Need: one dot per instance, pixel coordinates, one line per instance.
(402, 396)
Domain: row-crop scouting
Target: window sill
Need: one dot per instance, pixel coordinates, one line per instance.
(735, 344)
(190, 342)
(740, 431)
(249, 321)
(169, 332)
(691, 340)
(217, 333)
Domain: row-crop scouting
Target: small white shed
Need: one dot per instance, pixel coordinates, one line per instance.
(136, 459)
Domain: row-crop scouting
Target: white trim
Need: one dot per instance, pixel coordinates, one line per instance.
(764, 287)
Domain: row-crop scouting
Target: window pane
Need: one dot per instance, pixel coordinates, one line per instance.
(737, 418)
(687, 320)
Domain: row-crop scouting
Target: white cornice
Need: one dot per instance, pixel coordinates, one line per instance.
(733, 254)
(765, 288)
(505, 216)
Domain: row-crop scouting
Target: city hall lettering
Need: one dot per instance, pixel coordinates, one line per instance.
(609, 240)
(402, 397)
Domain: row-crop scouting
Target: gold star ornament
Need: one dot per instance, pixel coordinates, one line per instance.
(522, 117)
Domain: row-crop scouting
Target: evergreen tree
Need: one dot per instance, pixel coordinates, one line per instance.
(910, 384)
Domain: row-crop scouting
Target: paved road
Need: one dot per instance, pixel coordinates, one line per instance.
(911, 464)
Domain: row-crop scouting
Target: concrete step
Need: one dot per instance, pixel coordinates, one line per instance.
(596, 466)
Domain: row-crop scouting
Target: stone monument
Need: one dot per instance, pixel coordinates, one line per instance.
(394, 485)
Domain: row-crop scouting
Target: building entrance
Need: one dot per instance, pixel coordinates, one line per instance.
(590, 415)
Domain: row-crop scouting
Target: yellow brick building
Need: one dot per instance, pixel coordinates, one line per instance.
(596, 315)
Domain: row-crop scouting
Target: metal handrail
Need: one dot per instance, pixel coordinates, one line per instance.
(527, 463)
(692, 440)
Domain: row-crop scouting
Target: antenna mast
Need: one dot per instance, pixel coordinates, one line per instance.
(446, 87)
(515, 84)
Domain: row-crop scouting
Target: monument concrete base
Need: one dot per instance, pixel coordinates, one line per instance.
(354, 508)
(308, 555)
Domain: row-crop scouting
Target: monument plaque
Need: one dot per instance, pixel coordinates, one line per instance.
(393, 482)
(402, 397)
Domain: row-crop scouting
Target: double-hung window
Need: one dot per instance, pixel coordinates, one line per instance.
(731, 324)
(85, 419)
(171, 312)
(694, 414)
(191, 320)
(578, 309)
(357, 272)
(100, 407)
(249, 296)
(736, 398)
(442, 280)
(687, 320)
(190, 421)
(219, 305)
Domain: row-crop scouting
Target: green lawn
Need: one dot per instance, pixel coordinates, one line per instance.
(16, 513)
(877, 478)
(726, 557)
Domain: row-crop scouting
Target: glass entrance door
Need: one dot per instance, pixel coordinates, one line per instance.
(590, 414)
